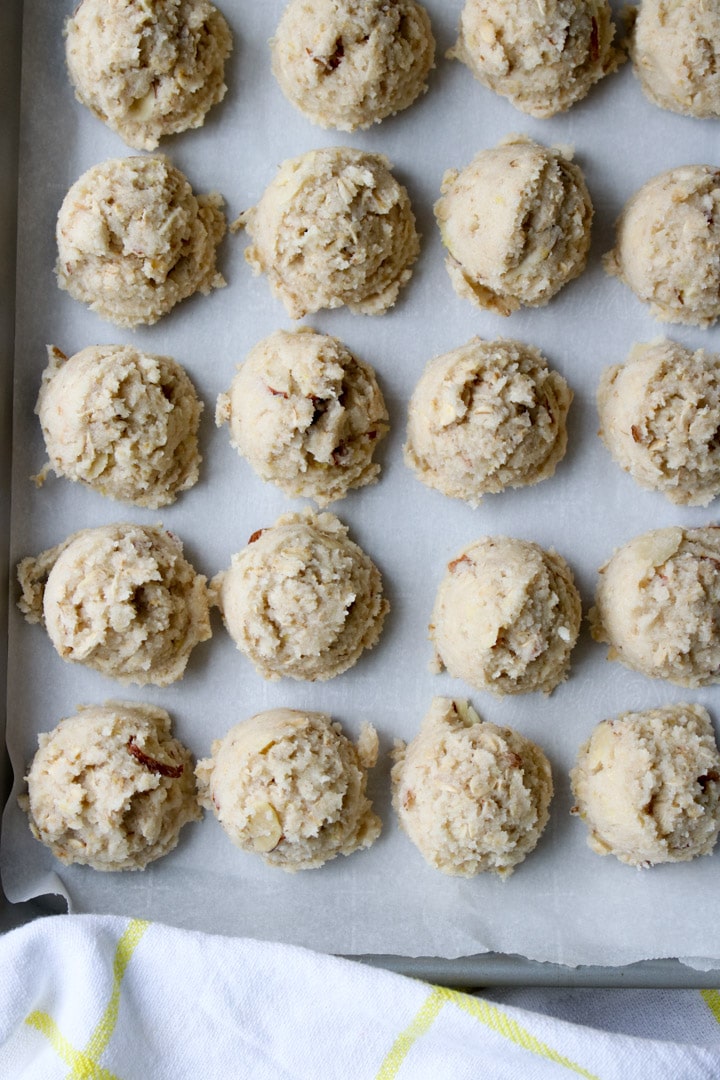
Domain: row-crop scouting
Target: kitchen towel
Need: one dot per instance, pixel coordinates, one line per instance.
(104, 997)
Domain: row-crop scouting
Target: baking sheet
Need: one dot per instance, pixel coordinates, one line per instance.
(564, 904)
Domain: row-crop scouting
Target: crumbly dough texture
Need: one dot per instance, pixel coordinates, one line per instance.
(667, 246)
(542, 57)
(348, 64)
(516, 224)
(660, 418)
(122, 421)
(121, 599)
(656, 605)
(471, 796)
(302, 600)
(289, 786)
(147, 69)
(133, 240)
(675, 49)
(647, 785)
(110, 787)
(334, 227)
(307, 414)
(487, 416)
(506, 617)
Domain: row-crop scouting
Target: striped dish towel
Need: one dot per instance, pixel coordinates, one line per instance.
(101, 997)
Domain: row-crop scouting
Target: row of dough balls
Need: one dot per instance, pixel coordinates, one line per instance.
(307, 415)
(303, 601)
(149, 71)
(336, 228)
(111, 788)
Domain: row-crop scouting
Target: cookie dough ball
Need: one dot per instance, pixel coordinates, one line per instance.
(148, 70)
(111, 788)
(506, 617)
(306, 414)
(471, 796)
(660, 418)
(667, 247)
(487, 416)
(133, 240)
(542, 57)
(291, 787)
(657, 603)
(348, 64)
(516, 224)
(334, 227)
(675, 49)
(121, 599)
(647, 785)
(122, 421)
(302, 600)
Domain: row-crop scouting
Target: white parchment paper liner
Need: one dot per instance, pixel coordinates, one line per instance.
(564, 903)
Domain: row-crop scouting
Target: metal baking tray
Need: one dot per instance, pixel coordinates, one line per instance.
(487, 969)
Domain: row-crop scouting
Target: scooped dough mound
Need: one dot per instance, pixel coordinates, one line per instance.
(487, 416)
(471, 796)
(334, 227)
(306, 414)
(542, 57)
(122, 421)
(111, 788)
(121, 599)
(347, 64)
(148, 69)
(291, 787)
(133, 240)
(506, 617)
(667, 247)
(516, 224)
(302, 600)
(660, 419)
(657, 603)
(675, 49)
(647, 785)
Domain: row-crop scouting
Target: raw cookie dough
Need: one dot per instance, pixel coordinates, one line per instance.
(121, 599)
(147, 69)
(302, 600)
(660, 419)
(487, 416)
(347, 64)
(291, 787)
(542, 57)
(657, 603)
(471, 796)
(647, 785)
(122, 421)
(111, 788)
(516, 224)
(307, 415)
(334, 227)
(133, 240)
(506, 617)
(675, 49)
(667, 247)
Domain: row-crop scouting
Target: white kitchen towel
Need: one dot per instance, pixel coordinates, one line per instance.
(101, 997)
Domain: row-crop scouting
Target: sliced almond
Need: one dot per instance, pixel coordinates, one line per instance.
(264, 828)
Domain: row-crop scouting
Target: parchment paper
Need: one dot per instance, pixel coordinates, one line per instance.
(564, 903)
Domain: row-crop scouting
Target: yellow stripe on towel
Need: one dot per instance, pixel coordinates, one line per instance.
(85, 1064)
(489, 1015)
(712, 1000)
